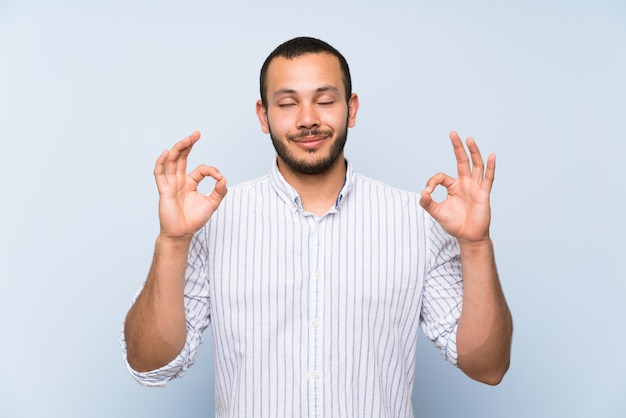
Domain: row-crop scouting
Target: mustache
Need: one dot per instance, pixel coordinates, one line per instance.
(312, 132)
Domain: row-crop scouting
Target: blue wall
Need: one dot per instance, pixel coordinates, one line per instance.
(91, 92)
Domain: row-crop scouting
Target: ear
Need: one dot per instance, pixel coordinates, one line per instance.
(261, 113)
(353, 108)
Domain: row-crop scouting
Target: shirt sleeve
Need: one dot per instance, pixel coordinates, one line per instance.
(197, 313)
(443, 290)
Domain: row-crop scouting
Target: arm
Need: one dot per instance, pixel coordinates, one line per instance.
(485, 327)
(155, 327)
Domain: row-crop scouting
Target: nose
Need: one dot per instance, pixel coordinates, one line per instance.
(308, 117)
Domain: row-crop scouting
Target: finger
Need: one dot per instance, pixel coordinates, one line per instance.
(203, 171)
(177, 160)
(219, 190)
(439, 179)
(429, 205)
(184, 152)
(490, 172)
(159, 168)
(462, 161)
(477, 160)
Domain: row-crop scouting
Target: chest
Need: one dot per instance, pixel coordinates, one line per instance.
(286, 268)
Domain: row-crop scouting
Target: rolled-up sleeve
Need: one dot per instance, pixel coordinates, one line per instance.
(443, 291)
(197, 314)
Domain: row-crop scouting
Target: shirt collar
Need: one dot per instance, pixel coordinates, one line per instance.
(290, 195)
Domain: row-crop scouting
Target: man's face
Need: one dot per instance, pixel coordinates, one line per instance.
(307, 115)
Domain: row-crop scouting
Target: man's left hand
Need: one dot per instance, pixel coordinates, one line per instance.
(465, 213)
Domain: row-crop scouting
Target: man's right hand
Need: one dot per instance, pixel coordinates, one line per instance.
(182, 209)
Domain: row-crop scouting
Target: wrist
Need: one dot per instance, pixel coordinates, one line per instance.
(173, 242)
(473, 247)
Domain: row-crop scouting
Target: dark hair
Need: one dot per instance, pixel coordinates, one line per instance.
(300, 46)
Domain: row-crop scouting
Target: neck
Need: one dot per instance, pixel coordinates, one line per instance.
(318, 192)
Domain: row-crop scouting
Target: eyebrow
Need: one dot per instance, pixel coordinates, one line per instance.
(322, 89)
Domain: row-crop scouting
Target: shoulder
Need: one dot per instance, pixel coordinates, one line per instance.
(241, 197)
(365, 185)
(386, 199)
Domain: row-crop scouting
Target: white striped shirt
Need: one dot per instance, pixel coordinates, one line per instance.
(318, 316)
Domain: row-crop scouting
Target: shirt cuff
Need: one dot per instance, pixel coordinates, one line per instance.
(158, 377)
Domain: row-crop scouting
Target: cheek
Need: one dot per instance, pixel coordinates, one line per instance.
(339, 120)
(279, 124)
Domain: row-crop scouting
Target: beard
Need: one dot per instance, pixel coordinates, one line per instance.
(321, 164)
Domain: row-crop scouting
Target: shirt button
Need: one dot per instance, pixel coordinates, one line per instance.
(318, 274)
(316, 375)
(315, 323)
(318, 227)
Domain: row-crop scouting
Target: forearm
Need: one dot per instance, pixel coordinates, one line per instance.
(485, 326)
(155, 327)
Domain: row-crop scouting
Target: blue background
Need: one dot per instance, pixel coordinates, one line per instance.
(91, 92)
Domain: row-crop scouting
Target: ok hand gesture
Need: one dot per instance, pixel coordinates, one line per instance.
(466, 212)
(182, 209)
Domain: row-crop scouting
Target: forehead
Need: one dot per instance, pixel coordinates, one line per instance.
(303, 73)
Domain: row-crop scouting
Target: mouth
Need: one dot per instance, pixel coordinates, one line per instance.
(310, 145)
(310, 140)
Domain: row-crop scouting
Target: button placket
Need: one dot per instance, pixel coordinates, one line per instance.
(315, 313)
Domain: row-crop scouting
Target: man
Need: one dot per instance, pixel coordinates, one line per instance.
(316, 279)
